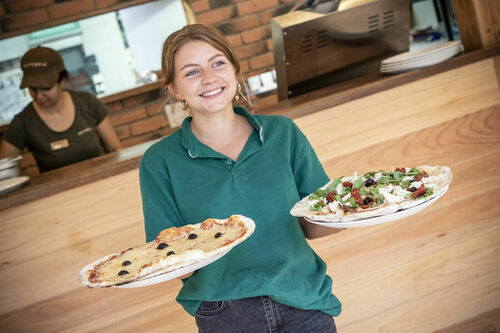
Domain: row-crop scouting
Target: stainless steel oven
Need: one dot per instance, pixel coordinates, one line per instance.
(320, 45)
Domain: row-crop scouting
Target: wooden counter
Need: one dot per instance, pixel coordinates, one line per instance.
(104, 166)
(436, 271)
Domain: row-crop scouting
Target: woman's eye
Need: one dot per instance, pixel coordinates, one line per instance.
(191, 73)
(218, 63)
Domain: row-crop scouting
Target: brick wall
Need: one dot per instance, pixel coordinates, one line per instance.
(139, 117)
(246, 24)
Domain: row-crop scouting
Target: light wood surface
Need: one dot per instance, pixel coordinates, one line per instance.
(425, 273)
(478, 23)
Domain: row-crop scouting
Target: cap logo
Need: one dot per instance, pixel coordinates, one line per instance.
(35, 64)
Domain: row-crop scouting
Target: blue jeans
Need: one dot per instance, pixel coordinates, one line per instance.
(260, 314)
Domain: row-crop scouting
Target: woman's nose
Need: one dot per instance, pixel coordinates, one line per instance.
(208, 77)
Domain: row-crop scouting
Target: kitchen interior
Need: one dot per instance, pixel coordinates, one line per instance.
(436, 271)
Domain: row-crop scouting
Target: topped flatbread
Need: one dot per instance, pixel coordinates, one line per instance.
(173, 248)
(373, 194)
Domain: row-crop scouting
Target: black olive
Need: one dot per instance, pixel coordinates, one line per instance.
(126, 263)
(170, 253)
(369, 182)
(122, 272)
(367, 201)
(161, 246)
(192, 236)
(217, 235)
(412, 189)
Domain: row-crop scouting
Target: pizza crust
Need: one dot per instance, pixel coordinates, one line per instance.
(440, 176)
(153, 262)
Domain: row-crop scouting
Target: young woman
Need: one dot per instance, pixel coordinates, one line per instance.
(226, 161)
(59, 127)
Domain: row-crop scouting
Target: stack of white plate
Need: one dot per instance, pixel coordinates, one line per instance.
(420, 58)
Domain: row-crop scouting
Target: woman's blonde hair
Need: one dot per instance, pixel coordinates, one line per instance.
(194, 32)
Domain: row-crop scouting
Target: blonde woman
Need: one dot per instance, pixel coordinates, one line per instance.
(223, 161)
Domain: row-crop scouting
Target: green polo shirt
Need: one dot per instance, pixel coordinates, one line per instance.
(184, 182)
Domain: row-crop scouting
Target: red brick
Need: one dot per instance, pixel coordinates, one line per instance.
(200, 6)
(14, 6)
(256, 34)
(140, 99)
(156, 108)
(234, 40)
(244, 66)
(253, 6)
(266, 15)
(105, 3)
(238, 24)
(114, 106)
(127, 116)
(251, 50)
(24, 19)
(123, 132)
(220, 3)
(269, 44)
(148, 125)
(262, 61)
(66, 9)
(216, 15)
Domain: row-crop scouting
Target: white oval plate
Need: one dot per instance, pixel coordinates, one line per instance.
(162, 277)
(422, 53)
(379, 219)
(11, 184)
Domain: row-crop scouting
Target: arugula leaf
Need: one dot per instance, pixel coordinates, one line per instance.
(358, 183)
(318, 206)
(353, 203)
(384, 180)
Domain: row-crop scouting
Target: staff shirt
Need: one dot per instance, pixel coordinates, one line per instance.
(52, 149)
(184, 182)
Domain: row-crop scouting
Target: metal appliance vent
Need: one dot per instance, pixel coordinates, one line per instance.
(321, 39)
(373, 23)
(389, 19)
(306, 44)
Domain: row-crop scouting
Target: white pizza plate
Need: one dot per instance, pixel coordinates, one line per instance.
(433, 59)
(382, 218)
(422, 53)
(11, 184)
(148, 281)
(418, 64)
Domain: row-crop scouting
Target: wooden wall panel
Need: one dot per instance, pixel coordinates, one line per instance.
(425, 273)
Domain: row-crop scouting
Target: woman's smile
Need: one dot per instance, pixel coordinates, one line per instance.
(212, 93)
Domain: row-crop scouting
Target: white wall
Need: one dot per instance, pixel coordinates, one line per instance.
(101, 37)
(162, 17)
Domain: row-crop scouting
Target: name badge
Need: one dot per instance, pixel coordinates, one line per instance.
(60, 144)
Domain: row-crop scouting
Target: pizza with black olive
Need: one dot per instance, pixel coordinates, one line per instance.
(373, 194)
(173, 248)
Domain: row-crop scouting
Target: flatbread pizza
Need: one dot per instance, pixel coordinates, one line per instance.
(374, 193)
(173, 248)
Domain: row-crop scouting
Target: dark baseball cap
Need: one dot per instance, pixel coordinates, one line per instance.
(41, 67)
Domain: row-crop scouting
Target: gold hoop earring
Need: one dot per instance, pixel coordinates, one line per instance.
(238, 92)
(183, 104)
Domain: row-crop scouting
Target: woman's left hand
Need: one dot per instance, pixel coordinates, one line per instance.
(313, 231)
